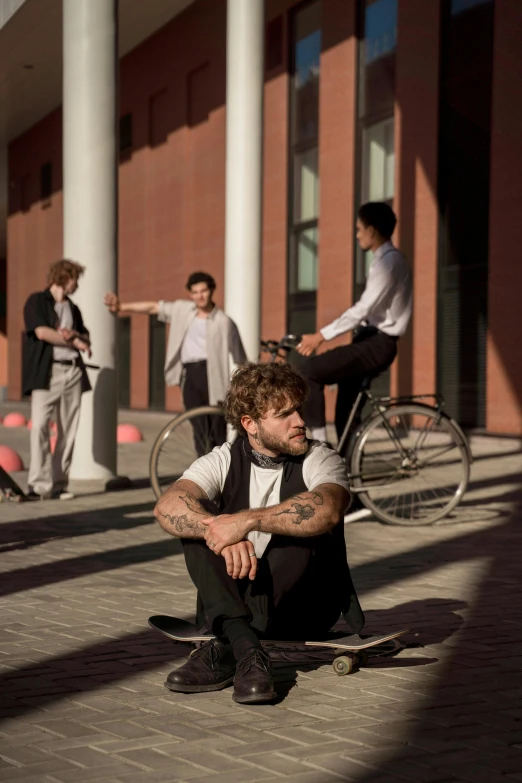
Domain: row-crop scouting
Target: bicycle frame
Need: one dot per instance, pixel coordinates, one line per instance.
(378, 404)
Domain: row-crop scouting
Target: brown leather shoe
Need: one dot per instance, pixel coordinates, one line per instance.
(253, 681)
(210, 667)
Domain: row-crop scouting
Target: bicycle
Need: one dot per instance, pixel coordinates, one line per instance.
(408, 461)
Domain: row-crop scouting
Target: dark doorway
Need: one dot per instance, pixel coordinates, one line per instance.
(464, 164)
(156, 362)
(124, 356)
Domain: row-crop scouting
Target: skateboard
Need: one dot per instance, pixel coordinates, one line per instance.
(348, 651)
(9, 489)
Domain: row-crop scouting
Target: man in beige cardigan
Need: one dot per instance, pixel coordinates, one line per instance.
(203, 342)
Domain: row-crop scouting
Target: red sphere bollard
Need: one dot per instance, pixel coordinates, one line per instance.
(128, 433)
(10, 461)
(15, 420)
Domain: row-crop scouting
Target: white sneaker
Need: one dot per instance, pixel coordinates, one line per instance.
(62, 495)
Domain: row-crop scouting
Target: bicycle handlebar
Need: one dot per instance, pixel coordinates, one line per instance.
(288, 342)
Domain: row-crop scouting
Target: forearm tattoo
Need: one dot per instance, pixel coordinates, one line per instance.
(302, 511)
(183, 523)
(193, 504)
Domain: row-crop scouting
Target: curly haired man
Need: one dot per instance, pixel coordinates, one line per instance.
(55, 376)
(271, 562)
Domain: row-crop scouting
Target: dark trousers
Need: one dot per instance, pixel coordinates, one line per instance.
(295, 594)
(370, 353)
(209, 431)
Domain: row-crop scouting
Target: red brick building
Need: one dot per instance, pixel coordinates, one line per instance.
(416, 102)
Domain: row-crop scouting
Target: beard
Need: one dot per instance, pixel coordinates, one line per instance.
(290, 445)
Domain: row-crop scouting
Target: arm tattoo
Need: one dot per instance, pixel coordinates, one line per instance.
(182, 523)
(316, 497)
(193, 504)
(301, 511)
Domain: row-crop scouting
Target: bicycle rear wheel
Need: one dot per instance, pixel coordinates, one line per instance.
(187, 437)
(411, 463)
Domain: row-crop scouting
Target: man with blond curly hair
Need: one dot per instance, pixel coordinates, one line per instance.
(271, 561)
(54, 374)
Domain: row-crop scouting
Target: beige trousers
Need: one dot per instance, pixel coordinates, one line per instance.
(48, 473)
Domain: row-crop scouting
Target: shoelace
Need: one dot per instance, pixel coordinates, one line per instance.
(208, 648)
(255, 658)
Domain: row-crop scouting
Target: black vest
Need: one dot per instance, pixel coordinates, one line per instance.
(236, 497)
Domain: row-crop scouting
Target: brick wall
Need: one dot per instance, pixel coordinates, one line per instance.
(504, 368)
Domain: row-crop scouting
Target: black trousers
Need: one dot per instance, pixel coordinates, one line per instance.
(209, 431)
(370, 353)
(295, 594)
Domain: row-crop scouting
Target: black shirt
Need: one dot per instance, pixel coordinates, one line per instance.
(38, 354)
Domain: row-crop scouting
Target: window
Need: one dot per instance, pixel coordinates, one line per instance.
(376, 100)
(126, 133)
(378, 161)
(46, 181)
(304, 170)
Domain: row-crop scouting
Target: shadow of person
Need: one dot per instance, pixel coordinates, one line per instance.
(430, 620)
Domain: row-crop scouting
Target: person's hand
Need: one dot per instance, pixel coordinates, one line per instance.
(224, 530)
(81, 345)
(241, 560)
(309, 343)
(68, 334)
(112, 302)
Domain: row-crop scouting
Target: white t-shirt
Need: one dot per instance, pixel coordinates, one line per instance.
(64, 318)
(194, 346)
(321, 465)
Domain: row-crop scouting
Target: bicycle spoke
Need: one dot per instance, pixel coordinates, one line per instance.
(188, 437)
(415, 474)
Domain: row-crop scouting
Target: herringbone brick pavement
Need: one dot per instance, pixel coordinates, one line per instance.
(81, 674)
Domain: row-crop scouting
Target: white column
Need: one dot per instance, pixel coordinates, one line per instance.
(90, 83)
(244, 117)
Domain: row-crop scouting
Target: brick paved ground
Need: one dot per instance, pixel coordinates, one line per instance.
(82, 675)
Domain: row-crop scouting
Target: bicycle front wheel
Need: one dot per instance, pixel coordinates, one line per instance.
(410, 464)
(187, 437)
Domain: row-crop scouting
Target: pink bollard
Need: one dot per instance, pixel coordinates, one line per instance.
(9, 460)
(128, 433)
(15, 420)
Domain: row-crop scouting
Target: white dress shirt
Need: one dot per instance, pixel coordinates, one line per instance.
(386, 302)
(321, 465)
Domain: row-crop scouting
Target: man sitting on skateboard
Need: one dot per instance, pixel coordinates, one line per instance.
(271, 563)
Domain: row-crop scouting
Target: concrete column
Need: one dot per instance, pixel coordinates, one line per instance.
(90, 60)
(244, 118)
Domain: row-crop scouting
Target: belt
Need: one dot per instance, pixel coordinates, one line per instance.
(69, 362)
(193, 364)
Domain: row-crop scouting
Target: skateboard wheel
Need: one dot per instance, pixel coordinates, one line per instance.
(342, 665)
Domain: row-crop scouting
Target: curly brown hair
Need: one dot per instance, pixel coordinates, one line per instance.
(257, 388)
(63, 270)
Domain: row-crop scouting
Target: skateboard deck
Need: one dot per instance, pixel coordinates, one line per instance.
(9, 489)
(353, 646)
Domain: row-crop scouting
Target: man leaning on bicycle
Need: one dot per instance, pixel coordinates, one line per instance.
(380, 316)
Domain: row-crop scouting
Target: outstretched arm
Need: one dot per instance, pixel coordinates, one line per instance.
(180, 511)
(307, 514)
(114, 305)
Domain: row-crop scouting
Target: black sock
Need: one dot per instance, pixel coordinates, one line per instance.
(240, 635)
